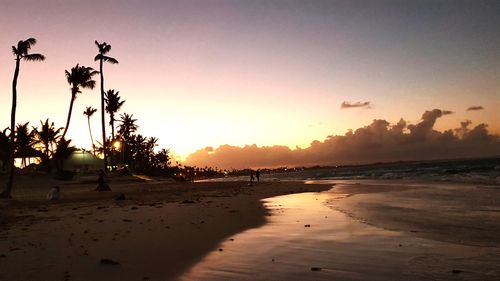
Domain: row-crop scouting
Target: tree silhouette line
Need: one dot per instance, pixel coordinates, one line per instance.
(126, 148)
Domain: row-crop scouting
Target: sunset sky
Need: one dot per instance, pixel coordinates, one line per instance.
(208, 73)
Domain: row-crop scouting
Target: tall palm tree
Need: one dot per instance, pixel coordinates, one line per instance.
(47, 135)
(21, 53)
(113, 105)
(80, 76)
(104, 48)
(89, 111)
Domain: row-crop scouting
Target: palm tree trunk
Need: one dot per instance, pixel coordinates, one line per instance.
(90, 132)
(103, 120)
(112, 122)
(10, 181)
(47, 158)
(73, 95)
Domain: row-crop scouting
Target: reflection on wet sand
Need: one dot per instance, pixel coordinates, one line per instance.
(305, 239)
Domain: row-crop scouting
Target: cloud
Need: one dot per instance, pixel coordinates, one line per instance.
(379, 141)
(348, 104)
(472, 108)
(447, 112)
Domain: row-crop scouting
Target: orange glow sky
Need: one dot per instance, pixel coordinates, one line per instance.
(206, 73)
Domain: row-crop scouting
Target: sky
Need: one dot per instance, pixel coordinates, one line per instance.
(208, 73)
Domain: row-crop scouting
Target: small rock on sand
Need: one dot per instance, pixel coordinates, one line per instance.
(307, 225)
(316, 268)
(109, 262)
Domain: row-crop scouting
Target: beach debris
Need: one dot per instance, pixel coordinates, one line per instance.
(220, 249)
(134, 208)
(3, 256)
(188, 202)
(127, 220)
(109, 262)
(42, 210)
(316, 268)
(272, 260)
(400, 245)
(120, 197)
(456, 271)
(307, 225)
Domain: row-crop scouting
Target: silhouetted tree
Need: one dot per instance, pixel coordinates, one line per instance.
(47, 135)
(113, 104)
(89, 111)
(21, 53)
(127, 125)
(104, 48)
(25, 139)
(63, 151)
(4, 148)
(80, 76)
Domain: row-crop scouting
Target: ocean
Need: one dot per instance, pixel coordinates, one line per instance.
(476, 171)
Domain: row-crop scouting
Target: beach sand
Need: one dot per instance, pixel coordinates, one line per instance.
(170, 231)
(156, 233)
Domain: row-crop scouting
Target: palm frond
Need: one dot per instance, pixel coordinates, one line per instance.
(98, 57)
(110, 59)
(88, 84)
(30, 41)
(106, 48)
(14, 51)
(34, 57)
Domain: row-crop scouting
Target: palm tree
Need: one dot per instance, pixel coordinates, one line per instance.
(24, 141)
(113, 104)
(4, 148)
(104, 48)
(127, 125)
(47, 135)
(80, 76)
(89, 111)
(63, 151)
(21, 53)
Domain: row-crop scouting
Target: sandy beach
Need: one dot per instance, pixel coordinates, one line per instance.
(191, 231)
(156, 233)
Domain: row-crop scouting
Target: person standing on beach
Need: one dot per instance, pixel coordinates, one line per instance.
(257, 175)
(251, 176)
(101, 183)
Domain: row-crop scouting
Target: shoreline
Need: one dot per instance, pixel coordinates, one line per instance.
(156, 233)
(461, 213)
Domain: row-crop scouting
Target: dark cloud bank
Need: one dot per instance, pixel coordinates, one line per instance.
(378, 142)
(348, 104)
(472, 108)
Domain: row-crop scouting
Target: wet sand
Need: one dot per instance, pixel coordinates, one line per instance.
(333, 236)
(158, 232)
